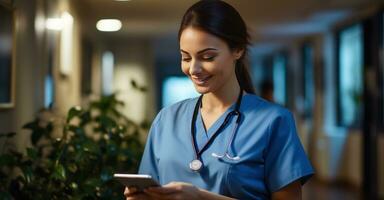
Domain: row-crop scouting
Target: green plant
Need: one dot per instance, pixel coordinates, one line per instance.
(93, 144)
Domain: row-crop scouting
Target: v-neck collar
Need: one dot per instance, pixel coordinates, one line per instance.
(216, 125)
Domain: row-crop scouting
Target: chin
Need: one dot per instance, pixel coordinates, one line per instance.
(202, 90)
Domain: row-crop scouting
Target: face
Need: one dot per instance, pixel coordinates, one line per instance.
(207, 60)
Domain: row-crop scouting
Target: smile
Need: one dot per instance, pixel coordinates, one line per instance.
(200, 80)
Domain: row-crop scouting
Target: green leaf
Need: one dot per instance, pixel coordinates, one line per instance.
(36, 135)
(134, 84)
(72, 167)
(77, 167)
(27, 174)
(59, 172)
(32, 153)
(77, 130)
(107, 122)
(85, 118)
(73, 112)
(32, 125)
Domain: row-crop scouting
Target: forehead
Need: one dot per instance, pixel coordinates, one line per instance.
(192, 40)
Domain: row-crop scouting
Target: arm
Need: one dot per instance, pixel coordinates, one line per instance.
(289, 192)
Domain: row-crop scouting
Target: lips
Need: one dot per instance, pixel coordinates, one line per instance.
(201, 80)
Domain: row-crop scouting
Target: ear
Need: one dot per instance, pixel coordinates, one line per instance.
(237, 53)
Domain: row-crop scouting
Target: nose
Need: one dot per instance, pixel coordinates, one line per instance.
(195, 67)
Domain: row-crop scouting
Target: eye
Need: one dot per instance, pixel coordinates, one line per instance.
(209, 58)
(185, 59)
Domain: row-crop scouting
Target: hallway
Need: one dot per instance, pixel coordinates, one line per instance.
(321, 60)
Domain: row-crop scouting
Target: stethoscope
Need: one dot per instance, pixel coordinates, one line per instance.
(196, 164)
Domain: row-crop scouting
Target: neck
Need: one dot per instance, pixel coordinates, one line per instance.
(221, 99)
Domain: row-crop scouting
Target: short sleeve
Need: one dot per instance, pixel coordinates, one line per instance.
(149, 161)
(285, 160)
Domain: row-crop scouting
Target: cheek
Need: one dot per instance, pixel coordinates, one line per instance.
(223, 67)
(185, 69)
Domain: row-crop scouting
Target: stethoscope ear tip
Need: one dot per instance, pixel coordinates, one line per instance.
(216, 155)
(225, 155)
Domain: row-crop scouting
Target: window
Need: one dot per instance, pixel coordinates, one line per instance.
(48, 91)
(350, 75)
(6, 63)
(307, 80)
(177, 88)
(49, 81)
(107, 73)
(279, 82)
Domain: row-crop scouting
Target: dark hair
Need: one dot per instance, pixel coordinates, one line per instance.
(222, 20)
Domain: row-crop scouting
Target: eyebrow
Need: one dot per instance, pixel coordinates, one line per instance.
(201, 51)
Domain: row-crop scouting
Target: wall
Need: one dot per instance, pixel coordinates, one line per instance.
(28, 68)
(68, 88)
(33, 43)
(133, 61)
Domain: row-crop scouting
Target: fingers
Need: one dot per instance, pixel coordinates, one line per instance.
(169, 191)
(161, 190)
(130, 191)
(161, 196)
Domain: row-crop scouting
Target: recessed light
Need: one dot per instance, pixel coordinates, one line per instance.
(108, 25)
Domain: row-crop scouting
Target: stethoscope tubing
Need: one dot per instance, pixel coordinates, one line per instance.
(210, 140)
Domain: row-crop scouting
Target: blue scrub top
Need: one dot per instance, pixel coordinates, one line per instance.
(271, 155)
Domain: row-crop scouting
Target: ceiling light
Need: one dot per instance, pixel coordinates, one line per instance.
(122, 0)
(108, 25)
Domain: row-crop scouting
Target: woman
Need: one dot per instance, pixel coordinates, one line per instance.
(228, 143)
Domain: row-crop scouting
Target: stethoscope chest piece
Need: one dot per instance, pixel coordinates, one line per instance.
(195, 165)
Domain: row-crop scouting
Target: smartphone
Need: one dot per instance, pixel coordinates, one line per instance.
(140, 181)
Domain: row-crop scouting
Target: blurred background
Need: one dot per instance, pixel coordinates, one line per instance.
(322, 59)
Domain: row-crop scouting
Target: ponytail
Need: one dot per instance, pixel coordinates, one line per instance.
(243, 77)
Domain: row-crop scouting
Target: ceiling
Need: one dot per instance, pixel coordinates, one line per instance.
(267, 20)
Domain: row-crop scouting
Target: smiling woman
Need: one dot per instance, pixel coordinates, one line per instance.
(227, 143)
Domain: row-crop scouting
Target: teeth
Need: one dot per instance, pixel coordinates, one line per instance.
(206, 78)
(203, 79)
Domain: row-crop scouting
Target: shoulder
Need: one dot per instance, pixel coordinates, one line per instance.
(260, 107)
(177, 110)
